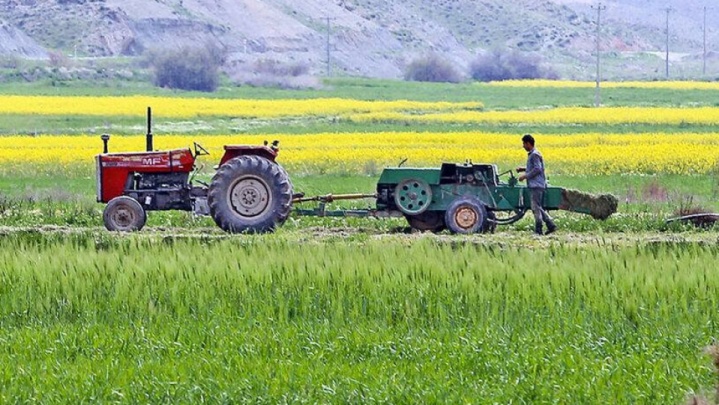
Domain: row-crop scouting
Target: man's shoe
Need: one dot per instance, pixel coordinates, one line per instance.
(551, 230)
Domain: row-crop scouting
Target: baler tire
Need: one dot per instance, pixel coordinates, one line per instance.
(466, 215)
(124, 214)
(250, 194)
(427, 221)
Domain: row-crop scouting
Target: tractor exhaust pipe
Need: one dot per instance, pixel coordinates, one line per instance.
(105, 138)
(149, 130)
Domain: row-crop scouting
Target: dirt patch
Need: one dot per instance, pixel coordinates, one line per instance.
(503, 240)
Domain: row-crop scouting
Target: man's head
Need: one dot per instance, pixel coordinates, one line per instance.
(528, 142)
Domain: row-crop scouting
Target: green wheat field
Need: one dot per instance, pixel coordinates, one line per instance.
(358, 310)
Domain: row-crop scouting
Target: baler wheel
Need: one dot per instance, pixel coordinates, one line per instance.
(250, 194)
(124, 214)
(466, 215)
(427, 221)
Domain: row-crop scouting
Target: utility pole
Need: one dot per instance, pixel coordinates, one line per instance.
(599, 7)
(668, 10)
(704, 55)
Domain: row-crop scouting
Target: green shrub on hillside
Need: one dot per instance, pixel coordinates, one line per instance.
(432, 68)
(505, 65)
(187, 68)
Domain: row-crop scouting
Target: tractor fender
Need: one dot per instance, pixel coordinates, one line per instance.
(233, 151)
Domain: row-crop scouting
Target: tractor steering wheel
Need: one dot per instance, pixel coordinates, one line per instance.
(199, 150)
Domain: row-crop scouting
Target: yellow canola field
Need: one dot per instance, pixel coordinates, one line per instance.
(594, 153)
(672, 85)
(175, 107)
(556, 116)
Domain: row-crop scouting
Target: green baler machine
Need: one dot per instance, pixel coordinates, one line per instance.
(464, 198)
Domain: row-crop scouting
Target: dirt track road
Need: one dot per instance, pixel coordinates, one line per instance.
(508, 239)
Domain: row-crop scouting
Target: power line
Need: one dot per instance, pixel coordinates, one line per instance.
(599, 7)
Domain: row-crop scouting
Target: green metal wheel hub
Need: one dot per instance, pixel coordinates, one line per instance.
(413, 196)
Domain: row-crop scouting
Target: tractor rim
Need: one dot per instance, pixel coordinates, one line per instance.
(123, 216)
(466, 217)
(249, 196)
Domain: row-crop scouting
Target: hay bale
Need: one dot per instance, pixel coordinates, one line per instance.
(598, 206)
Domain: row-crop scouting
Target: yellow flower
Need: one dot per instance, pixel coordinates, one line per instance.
(591, 153)
(175, 107)
(555, 116)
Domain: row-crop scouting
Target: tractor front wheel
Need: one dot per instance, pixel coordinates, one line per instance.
(124, 214)
(250, 194)
(466, 215)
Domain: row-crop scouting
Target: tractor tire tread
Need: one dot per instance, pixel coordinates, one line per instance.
(272, 174)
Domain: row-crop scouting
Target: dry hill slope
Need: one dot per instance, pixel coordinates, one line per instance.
(367, 37)
(15, 42)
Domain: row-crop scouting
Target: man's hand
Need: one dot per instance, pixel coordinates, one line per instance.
(521, 169)
(522, 178)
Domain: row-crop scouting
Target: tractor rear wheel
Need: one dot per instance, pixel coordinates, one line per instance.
(124, 214)
(250, 194)
(427, 221)
(466, 215)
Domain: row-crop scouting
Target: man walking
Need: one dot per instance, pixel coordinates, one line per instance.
(537, 184)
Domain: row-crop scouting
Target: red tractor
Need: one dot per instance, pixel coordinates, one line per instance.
(250, 192)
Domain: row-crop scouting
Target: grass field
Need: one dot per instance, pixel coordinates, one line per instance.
(363, 310)
(287, 319)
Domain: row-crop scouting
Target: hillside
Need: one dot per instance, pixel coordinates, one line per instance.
(374, 38)
(15, 42)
